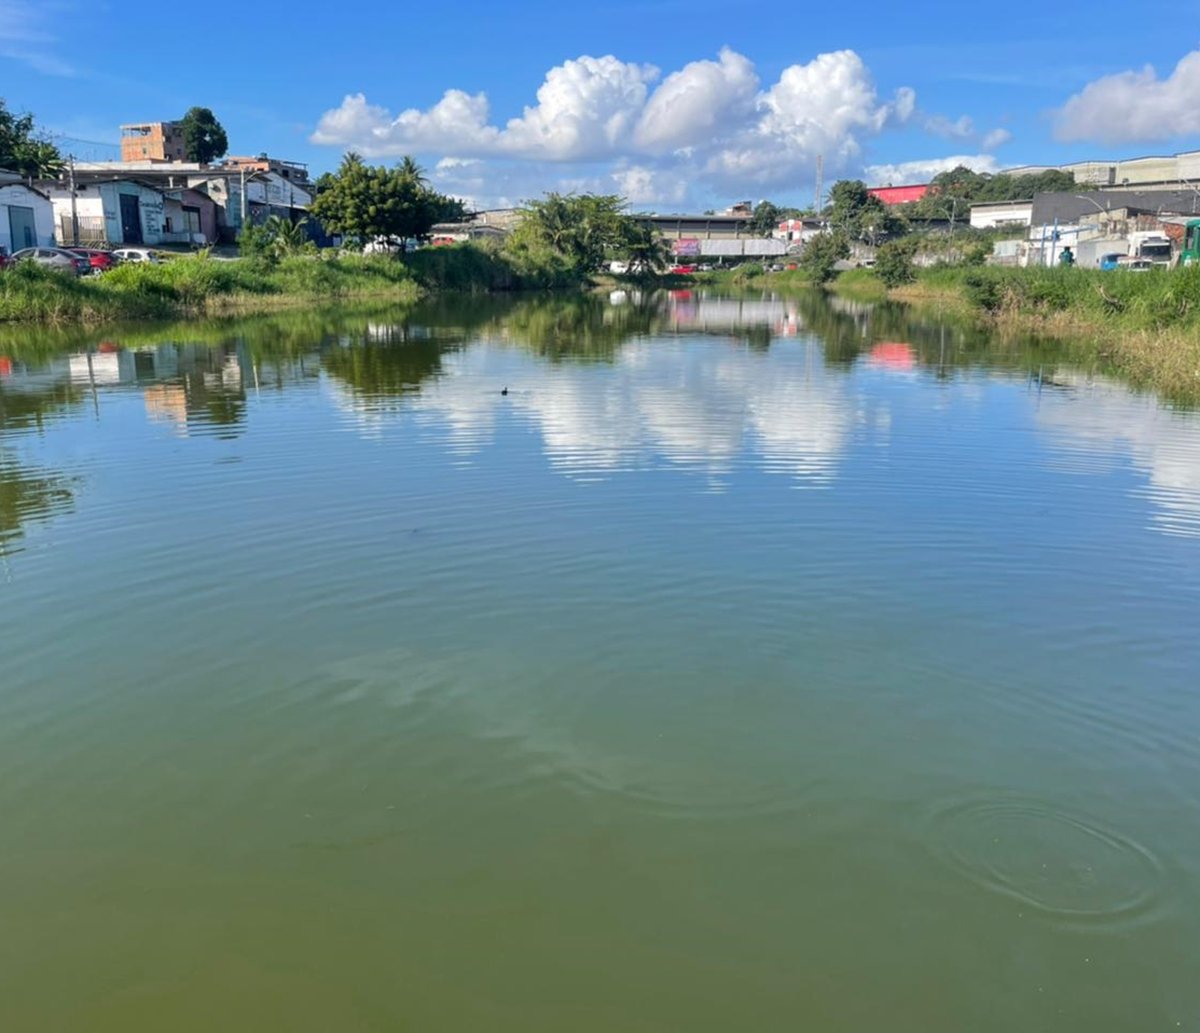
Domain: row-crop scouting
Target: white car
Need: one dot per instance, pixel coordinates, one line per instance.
(136, 254)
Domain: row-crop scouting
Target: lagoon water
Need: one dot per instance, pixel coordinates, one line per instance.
(752, 664)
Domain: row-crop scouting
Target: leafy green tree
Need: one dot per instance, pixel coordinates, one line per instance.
(366, 203)
(579, 229)
(821, 253)
(409, 168)
(766, 218)
(22, 150)
(859, 215)
(644, 248)
(894, 261)
(203, 136)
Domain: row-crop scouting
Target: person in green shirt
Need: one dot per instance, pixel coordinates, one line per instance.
(1067, 257)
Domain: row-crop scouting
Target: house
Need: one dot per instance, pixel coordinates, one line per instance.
(26, 215)
(271, 193)
(797, 232)
(189, 217)
(153, 141)
(113, 212)
(222, 186)
(293, 171)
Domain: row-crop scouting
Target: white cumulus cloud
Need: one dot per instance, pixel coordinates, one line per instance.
(1135, 106)
(923, 170)
(712, 127)
(702, 99)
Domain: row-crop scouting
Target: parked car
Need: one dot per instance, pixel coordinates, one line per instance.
(98, 258)
(136, 254)
(682, 270)
(54, 258)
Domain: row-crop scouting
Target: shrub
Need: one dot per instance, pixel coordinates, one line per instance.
(822, 253)
(894, 261)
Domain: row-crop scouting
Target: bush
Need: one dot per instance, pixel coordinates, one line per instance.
(894, 261)
(821, 254)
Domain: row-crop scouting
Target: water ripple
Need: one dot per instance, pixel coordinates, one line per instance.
(1065, 866)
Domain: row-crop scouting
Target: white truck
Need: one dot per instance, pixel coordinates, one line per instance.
(1150, 246)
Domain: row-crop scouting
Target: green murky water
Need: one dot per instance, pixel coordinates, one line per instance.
(752, 664)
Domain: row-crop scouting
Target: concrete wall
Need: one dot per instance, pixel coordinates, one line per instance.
(18, 196)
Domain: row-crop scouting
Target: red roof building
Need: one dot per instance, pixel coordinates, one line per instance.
(899, 195)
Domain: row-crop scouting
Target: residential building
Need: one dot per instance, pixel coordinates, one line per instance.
(189, 217)
(153, 141)
(797, 232)
(222, 186)
(26, 215)
(292, 171)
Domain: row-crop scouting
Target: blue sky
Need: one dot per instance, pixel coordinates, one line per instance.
(674, 103)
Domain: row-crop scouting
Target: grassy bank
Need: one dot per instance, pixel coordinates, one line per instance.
(197, 285)
(1145, 326)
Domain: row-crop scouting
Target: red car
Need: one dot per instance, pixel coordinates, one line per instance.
(100, 260)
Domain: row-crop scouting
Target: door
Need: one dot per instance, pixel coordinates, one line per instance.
(131, 219)
(21, 226)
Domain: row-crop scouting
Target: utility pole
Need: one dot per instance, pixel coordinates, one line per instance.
(820, 176)
(243, 197)
(74, 207)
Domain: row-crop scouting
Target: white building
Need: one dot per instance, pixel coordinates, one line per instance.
(1001, 214)
(26, 216)
(797, 232)
(116, 212)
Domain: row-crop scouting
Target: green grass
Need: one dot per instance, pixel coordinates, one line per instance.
(1155, 299)
(197, 284)
(194, 284)
(860, 285)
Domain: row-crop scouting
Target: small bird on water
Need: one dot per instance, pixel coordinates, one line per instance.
(505, 390)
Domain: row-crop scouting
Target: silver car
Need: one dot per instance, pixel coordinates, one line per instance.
(54, 258)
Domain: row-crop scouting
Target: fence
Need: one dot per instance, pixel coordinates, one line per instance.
(92, 231)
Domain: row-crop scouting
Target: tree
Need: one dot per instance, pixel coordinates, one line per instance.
(860, 215)
(766, 218)
(645, 249)
(821, 253)
(22, 150)
(368, 203)
(578, 229)
(894, 261)
(409, 168)
(203, 136)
